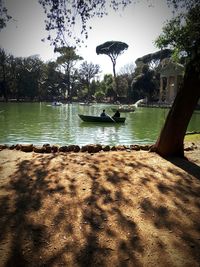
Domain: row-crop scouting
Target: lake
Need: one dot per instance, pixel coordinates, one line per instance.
(41, 123)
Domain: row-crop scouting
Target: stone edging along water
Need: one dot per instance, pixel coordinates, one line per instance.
(91, 148)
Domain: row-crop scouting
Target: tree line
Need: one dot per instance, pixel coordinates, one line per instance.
(31, 79)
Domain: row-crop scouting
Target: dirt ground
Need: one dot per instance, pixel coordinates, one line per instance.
(127, 208)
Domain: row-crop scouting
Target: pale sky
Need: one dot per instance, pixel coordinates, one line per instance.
(138, 26)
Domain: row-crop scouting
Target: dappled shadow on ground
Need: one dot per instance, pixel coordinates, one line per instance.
(125, 209)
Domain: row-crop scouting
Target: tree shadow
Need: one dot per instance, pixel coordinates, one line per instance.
(186, 165)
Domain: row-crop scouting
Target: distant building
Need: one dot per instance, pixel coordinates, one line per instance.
(171, 77)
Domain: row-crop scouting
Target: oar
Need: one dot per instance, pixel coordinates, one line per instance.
(111, 118)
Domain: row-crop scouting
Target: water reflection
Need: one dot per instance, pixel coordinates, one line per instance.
(103, 133)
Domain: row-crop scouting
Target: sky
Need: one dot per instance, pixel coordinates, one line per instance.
(138, 26)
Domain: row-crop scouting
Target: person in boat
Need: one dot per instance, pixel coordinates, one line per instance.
(117, 114)
(103, 114)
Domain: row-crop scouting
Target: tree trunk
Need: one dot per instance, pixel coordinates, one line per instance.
(4, 83)
(115, 87)
(171, 139)
(3, 87)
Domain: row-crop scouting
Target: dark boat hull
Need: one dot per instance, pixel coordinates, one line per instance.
(101, 119)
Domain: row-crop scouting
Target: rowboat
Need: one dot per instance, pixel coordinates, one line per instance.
(87, 118)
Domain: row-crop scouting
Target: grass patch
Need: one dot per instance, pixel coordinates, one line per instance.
(192, 137)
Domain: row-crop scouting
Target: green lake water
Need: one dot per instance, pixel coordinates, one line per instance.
(40, 123)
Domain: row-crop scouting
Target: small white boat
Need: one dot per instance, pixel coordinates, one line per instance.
(125, 109)
(128, 108)
(85, 104)
(55, 103)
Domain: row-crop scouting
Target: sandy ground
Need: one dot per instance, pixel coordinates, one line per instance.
(105, 209)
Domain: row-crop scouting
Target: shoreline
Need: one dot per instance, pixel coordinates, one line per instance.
(91, 148)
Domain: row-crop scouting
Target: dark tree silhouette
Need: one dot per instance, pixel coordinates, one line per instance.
(62, 15)
(3, 83)
(68, 58)
(87, 72)
(154, 59)
(112, 49)
(4, 16)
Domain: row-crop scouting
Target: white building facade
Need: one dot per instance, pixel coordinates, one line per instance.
(171, 77)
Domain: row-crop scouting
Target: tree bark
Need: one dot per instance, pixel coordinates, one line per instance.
(115, 88)
(171, 139)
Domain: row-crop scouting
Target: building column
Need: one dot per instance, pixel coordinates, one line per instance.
(161, 89)
(175, 85)
(167, 95)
